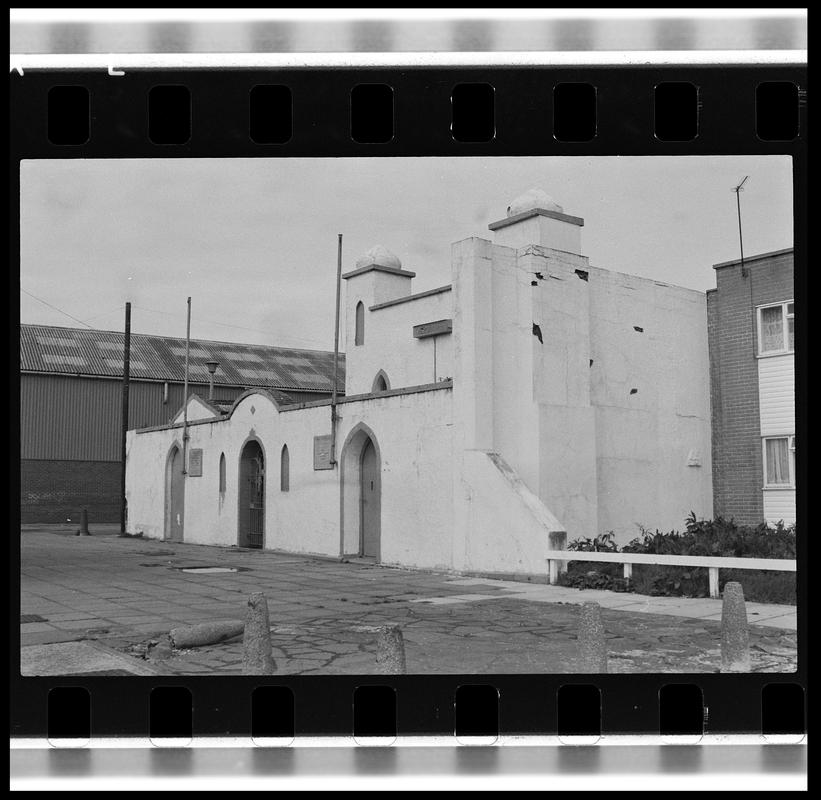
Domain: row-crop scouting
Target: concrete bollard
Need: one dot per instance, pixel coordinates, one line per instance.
(390, 651)
(257, 657)
(592, 646)
(84, 523)
(735, 637)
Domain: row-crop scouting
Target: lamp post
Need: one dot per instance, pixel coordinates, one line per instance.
(212, 368)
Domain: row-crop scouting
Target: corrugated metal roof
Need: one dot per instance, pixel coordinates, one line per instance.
(79, 351)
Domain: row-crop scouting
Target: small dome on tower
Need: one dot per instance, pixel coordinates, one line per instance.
(380, 257)
(534, 198)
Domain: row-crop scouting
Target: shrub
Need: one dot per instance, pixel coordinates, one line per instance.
(718, 537)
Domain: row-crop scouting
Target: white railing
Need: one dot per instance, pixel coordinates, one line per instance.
(557, 563)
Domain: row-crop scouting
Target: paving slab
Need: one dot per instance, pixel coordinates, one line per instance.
(325, 614)
(76, 658)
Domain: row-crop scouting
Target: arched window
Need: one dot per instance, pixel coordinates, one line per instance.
(359, 337)
(284, 470)
(222, 473)
(381, 382)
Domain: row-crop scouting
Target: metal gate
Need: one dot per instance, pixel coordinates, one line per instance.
(256, 507)
(251, 496)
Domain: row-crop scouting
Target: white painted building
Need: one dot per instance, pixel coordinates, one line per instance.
(534, 395)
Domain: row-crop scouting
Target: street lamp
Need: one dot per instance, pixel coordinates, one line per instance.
(212, 368)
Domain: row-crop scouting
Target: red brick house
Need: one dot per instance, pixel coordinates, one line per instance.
(751, 316)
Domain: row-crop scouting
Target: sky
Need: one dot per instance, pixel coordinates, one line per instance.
(254, 241)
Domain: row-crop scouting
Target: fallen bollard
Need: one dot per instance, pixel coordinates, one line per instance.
(206, 633)
(592, 648)
(735, 637)
(390, 651)
(257, 657)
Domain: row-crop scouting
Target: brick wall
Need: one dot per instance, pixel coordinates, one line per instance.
(54, 491)
(737, 464)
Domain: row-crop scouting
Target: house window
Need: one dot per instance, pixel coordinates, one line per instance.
(776, 329)
(222, 473)
(284, 470)
(359, 337)
(779, 461)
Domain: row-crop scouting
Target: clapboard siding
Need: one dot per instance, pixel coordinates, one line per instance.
(776, 387)
(779, 504)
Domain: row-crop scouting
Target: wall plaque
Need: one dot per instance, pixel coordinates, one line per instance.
(322, 452)
(195, 463)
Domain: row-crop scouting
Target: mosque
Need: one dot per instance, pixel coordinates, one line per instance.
(534, 397)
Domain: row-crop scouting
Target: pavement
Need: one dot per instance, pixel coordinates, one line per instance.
(95, 604)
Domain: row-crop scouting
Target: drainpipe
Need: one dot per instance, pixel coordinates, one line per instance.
(336, 350)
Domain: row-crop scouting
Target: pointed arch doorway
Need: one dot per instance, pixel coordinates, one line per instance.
(251, 522)
(174, 496)
(361, 494)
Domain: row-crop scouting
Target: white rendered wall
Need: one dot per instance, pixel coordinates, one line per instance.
(653, 445)
(197, 409)
(390, 346)
(413, 432)
(543, 231)
(507, 525)
(600, 456)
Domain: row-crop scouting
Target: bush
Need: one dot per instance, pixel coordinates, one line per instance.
(718, 537)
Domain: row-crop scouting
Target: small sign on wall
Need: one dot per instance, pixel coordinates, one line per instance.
(195, 463)
(322, 452)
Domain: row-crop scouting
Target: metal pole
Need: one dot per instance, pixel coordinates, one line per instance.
(738, 191)
(185, 394)
(336, 349)
(126, 378)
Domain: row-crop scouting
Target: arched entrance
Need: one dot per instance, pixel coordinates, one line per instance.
(251, 523)
(361, 494)
(174, 496)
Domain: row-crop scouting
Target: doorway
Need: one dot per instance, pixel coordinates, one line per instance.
(361, 476)
(370, 499)
(251, 525)
(174, 496)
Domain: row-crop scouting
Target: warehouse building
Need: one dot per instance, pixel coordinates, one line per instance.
(535, 397)
(752, 363)
(71, 404)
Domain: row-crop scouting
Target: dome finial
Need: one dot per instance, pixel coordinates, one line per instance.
(378, 256)
(533, 198)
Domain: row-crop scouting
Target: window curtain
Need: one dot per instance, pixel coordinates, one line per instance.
(772, 330)
(778, 461)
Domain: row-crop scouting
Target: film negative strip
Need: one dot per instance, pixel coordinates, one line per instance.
(410, 629)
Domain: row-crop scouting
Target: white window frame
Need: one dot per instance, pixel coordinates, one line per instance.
(785, 337)
(790, 437)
